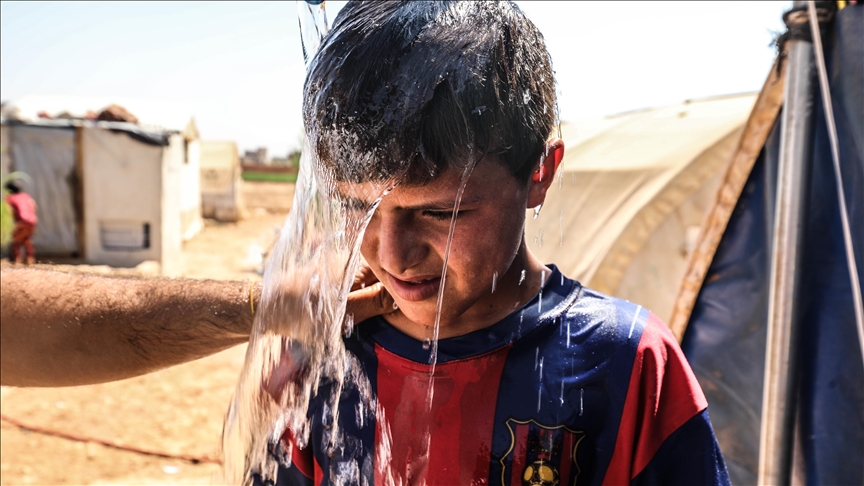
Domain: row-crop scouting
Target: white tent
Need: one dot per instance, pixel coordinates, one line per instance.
(221, 182)
(632, 193)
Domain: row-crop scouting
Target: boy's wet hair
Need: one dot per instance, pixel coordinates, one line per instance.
(416, 88)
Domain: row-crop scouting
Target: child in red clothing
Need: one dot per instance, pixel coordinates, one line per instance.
(24, 212)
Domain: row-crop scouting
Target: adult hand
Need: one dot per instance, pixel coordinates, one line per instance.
(368, 297)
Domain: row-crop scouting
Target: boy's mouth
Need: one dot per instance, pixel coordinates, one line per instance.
(414, 289)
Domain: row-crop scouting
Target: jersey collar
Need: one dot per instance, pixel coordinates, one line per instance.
(549, 303)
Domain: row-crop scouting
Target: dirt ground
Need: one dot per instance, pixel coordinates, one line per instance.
(177, 411)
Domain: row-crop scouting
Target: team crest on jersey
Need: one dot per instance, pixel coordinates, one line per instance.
(540, 455)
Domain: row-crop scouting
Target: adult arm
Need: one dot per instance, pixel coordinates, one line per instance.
(60, 329)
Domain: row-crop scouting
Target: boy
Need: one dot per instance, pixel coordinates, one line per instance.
(538, 380)
(24, 213)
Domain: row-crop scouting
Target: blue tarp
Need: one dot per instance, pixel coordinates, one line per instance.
(725, 338)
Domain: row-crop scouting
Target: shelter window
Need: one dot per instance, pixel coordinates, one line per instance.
(124, 235)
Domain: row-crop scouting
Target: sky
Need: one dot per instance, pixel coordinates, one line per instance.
(238, 67)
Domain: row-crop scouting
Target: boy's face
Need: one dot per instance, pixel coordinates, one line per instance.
(406, 240)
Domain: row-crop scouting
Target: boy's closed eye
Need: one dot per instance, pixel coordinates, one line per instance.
(443, 214)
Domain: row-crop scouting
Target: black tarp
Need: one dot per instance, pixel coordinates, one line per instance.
(725, 338)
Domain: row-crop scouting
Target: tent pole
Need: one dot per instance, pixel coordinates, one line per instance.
(779, 396)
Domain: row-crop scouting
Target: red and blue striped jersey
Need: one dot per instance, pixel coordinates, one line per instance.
(576, 387)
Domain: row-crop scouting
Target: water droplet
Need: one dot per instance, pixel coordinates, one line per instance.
(540, 390)
(568, 333)
(537, 210)
(427, 343)
(522, 277)
(494, 281)
(561, 228)
(349, 325)
(540, 297)
(581, 401)
(562, 393)
(536, 358)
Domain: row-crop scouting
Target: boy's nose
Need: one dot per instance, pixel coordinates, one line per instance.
(399, 246)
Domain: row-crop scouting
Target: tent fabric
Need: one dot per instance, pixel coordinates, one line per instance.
(622, 177)
(725, 338)
(759, 125)
(47, 155)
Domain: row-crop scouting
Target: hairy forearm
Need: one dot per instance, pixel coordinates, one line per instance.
(59, 329)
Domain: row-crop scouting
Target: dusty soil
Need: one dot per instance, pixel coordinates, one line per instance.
(175, 411)
(275, 196)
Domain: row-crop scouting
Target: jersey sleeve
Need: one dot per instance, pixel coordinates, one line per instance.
(301, 471)
(665, 436)
(687, 457)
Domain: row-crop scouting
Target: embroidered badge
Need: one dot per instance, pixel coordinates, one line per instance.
(540, 455)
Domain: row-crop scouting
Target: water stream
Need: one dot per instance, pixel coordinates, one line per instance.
(296, 343)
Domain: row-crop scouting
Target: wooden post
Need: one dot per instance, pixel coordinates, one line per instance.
(780, 392)
(81, 229)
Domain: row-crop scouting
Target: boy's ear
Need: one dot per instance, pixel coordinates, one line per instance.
(543, 176)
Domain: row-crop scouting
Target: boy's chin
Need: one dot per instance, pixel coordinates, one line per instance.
(419, 317)
(424, 315)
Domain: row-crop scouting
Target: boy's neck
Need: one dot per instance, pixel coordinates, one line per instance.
(512, 291)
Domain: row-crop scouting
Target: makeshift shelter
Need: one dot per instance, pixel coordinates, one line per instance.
(109, 192)
(221, 181)
(632, 193)
(769, 310)
(148, 116)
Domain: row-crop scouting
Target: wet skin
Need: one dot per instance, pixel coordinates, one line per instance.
(405, 242)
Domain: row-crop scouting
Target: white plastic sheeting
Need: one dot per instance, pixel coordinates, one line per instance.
(47, 155)
(4, 151)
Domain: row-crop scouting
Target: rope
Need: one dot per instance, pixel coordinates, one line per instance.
(835, 156)
(113, 445)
